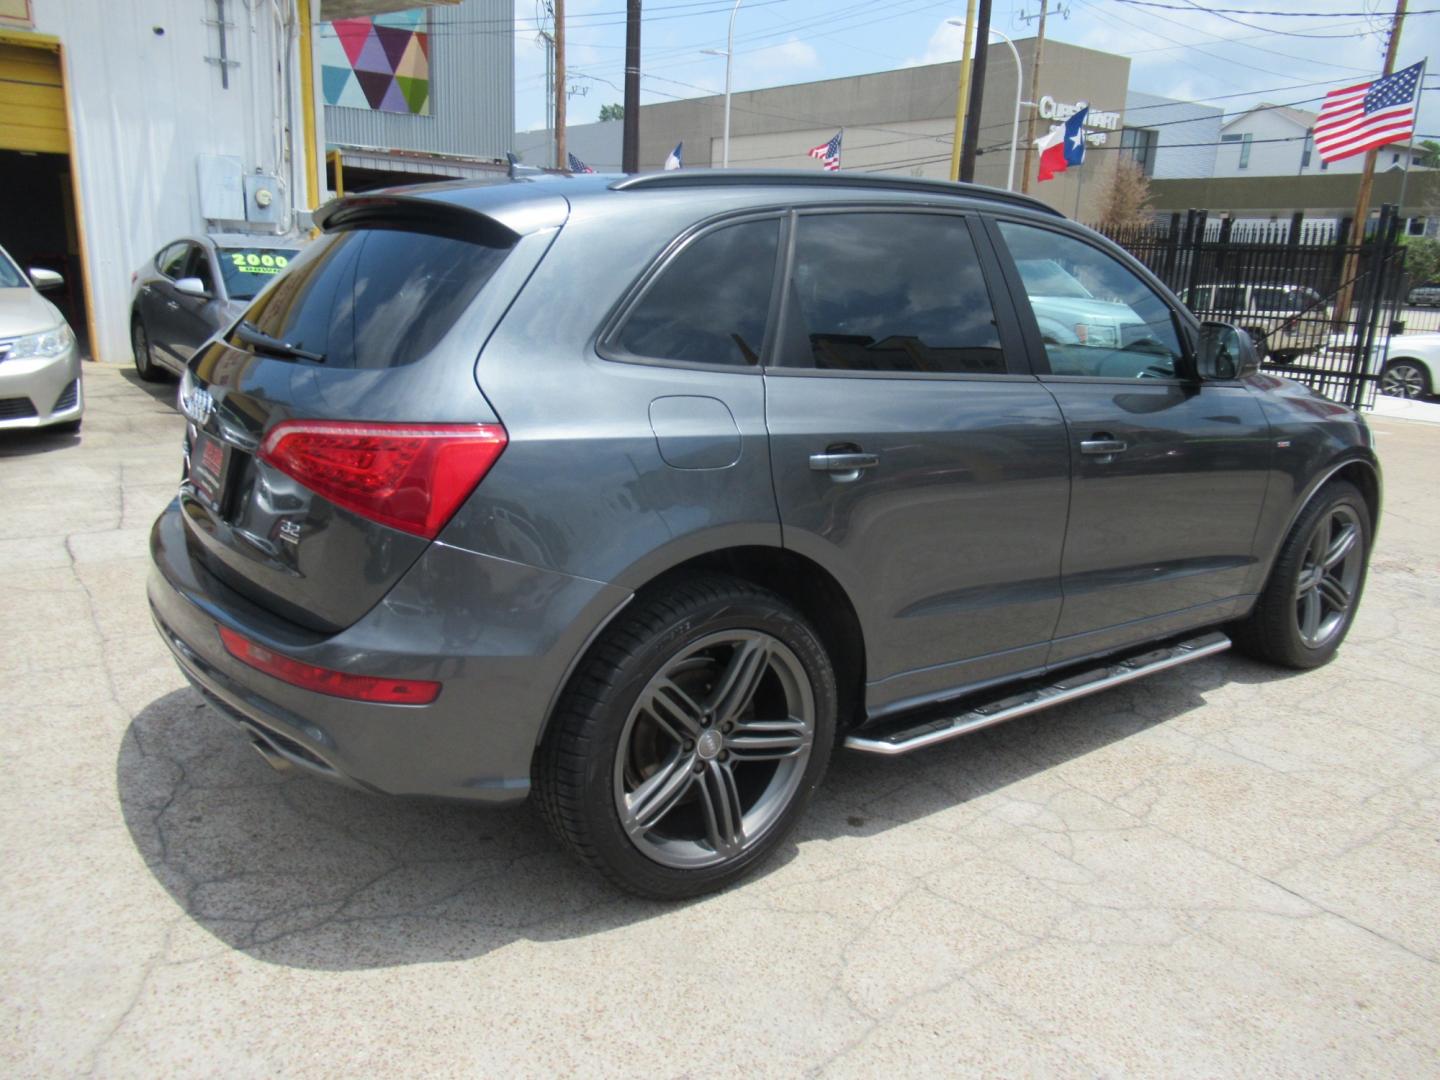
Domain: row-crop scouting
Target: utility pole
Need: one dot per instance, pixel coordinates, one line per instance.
(1367, 181)
(560, 159)
(977, 94)
(630, 146)
(962, 93)
(1034, 100)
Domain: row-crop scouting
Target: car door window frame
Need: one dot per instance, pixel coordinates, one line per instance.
(199, 256)
(1186, 325)
(608, 343)
(1012, 342)
(164, 258)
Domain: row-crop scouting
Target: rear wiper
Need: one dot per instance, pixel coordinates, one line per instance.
(252, 335)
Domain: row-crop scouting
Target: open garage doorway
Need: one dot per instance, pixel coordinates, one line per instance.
(39, 226)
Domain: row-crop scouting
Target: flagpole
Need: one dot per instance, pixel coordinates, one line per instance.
(1367, 182)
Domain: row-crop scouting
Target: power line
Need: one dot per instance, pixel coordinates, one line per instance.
(1254, 26)
(1271, 14)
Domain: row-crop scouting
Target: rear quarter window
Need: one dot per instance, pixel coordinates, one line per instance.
(373, 297)
(710, 303)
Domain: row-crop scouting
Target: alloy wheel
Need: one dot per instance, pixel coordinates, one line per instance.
(1329, 576)
(1402, 380)
(714, 749)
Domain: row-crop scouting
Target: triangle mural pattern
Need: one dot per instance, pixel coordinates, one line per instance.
(381, 62)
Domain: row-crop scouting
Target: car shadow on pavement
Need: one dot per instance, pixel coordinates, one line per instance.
(161, 389)
(296, 871)
(23, 442)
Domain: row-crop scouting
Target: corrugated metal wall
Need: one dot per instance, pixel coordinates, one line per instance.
(472, 89)
(143, 105)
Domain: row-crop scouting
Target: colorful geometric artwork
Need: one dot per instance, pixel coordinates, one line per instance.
(381, 62)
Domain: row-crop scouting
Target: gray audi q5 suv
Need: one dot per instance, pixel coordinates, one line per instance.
(645, 493)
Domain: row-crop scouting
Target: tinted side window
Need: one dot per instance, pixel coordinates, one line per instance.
(198, 266)
(1119, 328)
(171, 260)
(709, 305)
(374, 298)
(889, 292)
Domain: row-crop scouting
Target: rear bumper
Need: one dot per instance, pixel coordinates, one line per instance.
(499, 635)
(36, 392)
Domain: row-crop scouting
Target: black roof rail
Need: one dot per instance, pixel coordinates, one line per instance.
(676, 178)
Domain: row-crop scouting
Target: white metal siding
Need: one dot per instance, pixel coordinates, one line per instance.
(472, 89)
(1183, 129)
(143, 106)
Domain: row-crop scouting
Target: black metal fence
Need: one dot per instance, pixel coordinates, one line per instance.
(1320, 309)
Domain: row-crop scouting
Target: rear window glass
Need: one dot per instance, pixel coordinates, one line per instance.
(373, 298)
(710, 303)
(248, 270)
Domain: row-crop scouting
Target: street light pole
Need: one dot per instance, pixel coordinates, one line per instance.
(1014, 127)
(729, 55)
(1019, 88)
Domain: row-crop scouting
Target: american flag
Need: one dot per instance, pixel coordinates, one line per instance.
(576, 165)
(829, 152)
(1367, 115)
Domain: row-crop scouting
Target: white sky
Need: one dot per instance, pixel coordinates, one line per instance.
(1192, 55)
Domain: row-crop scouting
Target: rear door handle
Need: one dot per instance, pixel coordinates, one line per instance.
(1103, 446)
(844, 465)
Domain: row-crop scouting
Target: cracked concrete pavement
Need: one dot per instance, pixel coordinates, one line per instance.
(1222, 870)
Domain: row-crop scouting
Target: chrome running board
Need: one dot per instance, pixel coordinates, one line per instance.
(902, 736)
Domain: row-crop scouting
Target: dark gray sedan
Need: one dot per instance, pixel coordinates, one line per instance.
(194, 287)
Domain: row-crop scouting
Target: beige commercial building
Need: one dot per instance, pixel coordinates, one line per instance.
(899, 121)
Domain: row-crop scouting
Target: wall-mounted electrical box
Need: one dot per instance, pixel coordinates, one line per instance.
(222, 188)
(265, 200)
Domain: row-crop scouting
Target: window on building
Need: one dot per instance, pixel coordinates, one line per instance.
(1309, 150)
(1394, 159)
(1244, 141)
(1140, 144)
(1415, 226)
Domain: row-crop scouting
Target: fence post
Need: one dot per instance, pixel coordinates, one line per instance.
(1367, 323)
(1297, 220)
(1197, 222)
(1172, 250)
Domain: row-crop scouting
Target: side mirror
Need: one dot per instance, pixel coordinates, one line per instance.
(192, 286)
(1225, 352)
(45, 280)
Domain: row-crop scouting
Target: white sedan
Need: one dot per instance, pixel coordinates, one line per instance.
(1411, 364)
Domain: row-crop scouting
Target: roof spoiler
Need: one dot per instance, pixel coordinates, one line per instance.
(412, 214)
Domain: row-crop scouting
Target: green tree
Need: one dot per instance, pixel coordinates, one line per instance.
(617, 112)
(1431, 157)
(1422, 260)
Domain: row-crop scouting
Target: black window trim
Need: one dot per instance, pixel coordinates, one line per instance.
(607, 342)
(1012, 343)
(1186, 325)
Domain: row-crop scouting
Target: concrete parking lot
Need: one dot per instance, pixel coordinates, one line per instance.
(1223, 870)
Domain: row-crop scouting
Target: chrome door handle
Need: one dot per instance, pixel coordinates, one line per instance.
(842, 462)
(1103, 446)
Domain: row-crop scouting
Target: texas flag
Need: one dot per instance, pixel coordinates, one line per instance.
(1064, 146)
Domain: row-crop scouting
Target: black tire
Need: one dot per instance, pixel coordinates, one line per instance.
(580, 769)
(145, 365)
(1274, 630)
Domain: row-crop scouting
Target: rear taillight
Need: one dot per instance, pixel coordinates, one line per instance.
(408, 476)
(324, 680)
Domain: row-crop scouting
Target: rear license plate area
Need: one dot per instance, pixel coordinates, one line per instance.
(210, 470)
